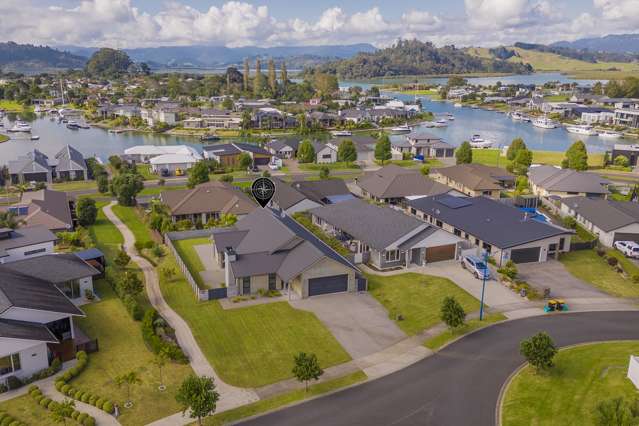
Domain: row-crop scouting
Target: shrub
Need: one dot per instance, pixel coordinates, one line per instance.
(139, 246)
(569, 222)
(92, 399)
(6, 421)
(99, 403)
(612, 261)
(52, 405)
(78, 394)
(33, 388)
(75, 414)
(64, 389)
(601, 252)
(108, 407)
(13, 382)
(85, 397)
(44, 402)
(71, 391)
(149, 244)
(89, 421)
(38, 398)
(82, 417)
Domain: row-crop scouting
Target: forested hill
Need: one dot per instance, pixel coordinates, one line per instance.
(613, 43)
(27, 57)
(413, 57)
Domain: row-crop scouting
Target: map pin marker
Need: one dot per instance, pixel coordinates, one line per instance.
(263, 190)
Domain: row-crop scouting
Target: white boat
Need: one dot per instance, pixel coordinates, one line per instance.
(476, 141)
(20, 126)
(544, 123)
(516, 115)
(457, 105)
(582, 130)
(35, 138)
(342, 133)
(450, 117)
(610, 134)
(404, 128)
(441, 123)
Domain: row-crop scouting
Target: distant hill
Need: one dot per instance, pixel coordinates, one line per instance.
(614, 43)
(580, 54)
(219, 56)
(413, 57)
(27, 58)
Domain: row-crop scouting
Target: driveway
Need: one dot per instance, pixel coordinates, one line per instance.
(552, 274)
(357, 321)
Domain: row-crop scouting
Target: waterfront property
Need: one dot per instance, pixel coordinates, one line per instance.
(68, 164)
(627, 117)
(228, 154)
(425, 145)
(547, 181)
(144, 153)
(631, 152)
(474, 179)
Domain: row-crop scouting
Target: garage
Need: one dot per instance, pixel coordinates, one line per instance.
(439, 253)
(625, 236)
(525, 255)
(326, 285)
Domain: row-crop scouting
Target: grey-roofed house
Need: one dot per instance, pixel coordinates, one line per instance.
(70, 165)
(324, 152)
(282, 148)
(32, 167)
(547, 181)
(610, 220)
(384, 237)
(25, 242)
(394, 184)
(475, 179)
(53, 209)
(426, 145)
(327, 191)
(206, 201)
(268, 250)
(505, 232)
(290, 199)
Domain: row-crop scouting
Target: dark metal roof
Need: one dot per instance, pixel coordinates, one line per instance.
(22, 237)
(13, 329)
(607, 215)
(53, 268)
(89, 254)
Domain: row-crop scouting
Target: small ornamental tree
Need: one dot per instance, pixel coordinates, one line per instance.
(103, 184)
(576, 157)
(198, 396)
(346, 151)
(383, 149)
(245, 161)
(306, 152)
(324, 172)
(131, 284)
(122, 259)
(198, 174)
(62, 411)
(621, 161)
(513, 149)
(86, 211)
(306, 368)
(126, 186)
(128, 379)
(539, 351)
(452, 313)
(464, 154)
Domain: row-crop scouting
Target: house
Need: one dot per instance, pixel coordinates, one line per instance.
(259, 155)
(171, 163)
(474, 179)
(144, 153)
(153, 116)
(206, 201)
(628, 117)
(70, 165)
(36, 312)
(53, 209)
(610, 220)
(505, 232)
(221, 119)
(425, 145)
(32, 167)
(546, 181)
(324, 153)
(631, 152)
(228, 154)
(329, 191)
(282, 148)
(393, 185)
(290, 199)
(25, 242)
(267, 250)
(384, 237)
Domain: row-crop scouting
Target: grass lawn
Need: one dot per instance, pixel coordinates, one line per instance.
(284, 399)
(26, 410)
(253, 346)
(582, 377)
(332, 166)
(105, 234)
(122, 350)
(4, 138)
(133, 221)
(13, 106)
(145, 171)
(78, 185)
(156, 190)
(440, 340)
(589, 267)
(347, 176)
(491, 157)
(418, 298)
(190, 257)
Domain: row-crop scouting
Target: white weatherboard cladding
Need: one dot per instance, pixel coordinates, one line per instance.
(633, 370)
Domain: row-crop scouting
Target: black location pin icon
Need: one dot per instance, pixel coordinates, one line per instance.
(263, 190)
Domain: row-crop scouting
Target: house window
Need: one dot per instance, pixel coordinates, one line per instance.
(326, 156)
(439, 223)
(32, 252)
(486, 247)
(272, 282)
(413, 211)
(488, 193)
(9, 364)
(457, 232)
(391, 255)
(476, 241)
(246, 285)
(71, 289)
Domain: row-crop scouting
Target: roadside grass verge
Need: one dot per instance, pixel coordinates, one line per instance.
(77, 185)
(492, 157)
(189, 256)
(440, 340)
(25, 409)
(417, 298)
(339, 165)
(278, 401)
(252, 346)
(129, 216)
(4, 138)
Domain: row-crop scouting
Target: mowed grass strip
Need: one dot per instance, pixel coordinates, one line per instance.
(417, 298)
(189, 256)
(25, 409)
(583, 377)
(252, 346)
(440, 340)
(129, 216)
(104, 233)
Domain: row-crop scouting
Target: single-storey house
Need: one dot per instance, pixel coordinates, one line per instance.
(206, 201)
(25, 242)
(610, 220)
(70, 165)
(328, 191)
(53, 209)
(324, 152)
(268, 250)
(384, 237)
(144, 153)
(282, 148)
(631, 152)
(505, 232)
(546, 181)
(474, 179)
(35, 166)
(170, 163)
(289, 199)
(228, 154)
(393, 185)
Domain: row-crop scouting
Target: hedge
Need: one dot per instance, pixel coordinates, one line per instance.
(113, 277)
(35, 392)
(7, 420)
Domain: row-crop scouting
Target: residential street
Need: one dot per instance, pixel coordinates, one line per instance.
(459, 385)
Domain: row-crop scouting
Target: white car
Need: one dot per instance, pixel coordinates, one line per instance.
(628, 248)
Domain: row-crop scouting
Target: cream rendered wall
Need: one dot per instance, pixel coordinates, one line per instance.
(327, 267)
(33, 356)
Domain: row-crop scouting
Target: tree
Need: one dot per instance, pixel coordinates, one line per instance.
(539, 351)
(616, 412)
(621, 161)
(122, 259)
(227, 103)
(514, 148)
(326, 84)
(464, 154)
(346, 151)
(198, 174)
(226, 178)
(245, 75)
(284, 76)
(9, 219)
(373, 91)
(306, 152)
(522, 161)
(131, 284)
(129, 379)
(456, 81)
(126, 186)
(257, 80)
(383, 149)
(324, 172)
(198, 396)
(245, 160)
(452, 313)
(576, 157)
(306, 368)
(62, 411)
(521, 185)
(160, 361)
(86, 211)
(103, 184)
(425, 170)
(272, 78)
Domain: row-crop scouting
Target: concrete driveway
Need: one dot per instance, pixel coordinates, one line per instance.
(357, 321)
(554, 275)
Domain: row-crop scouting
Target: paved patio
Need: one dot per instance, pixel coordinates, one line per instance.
(213, 275)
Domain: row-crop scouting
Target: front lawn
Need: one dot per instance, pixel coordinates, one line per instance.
(105, 235)
(440, 340)
(583, 376)
(122, 350)
(26, 410)
(338, 165)
(492, 157)
(190, 257)
(156, 190)
(591, 268)
(417, 298)
(253, 346)
(75, 185)
(131, 219)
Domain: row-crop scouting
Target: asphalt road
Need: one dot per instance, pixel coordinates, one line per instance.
(459, 385)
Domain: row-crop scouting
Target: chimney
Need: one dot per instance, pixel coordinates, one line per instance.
(231, 256)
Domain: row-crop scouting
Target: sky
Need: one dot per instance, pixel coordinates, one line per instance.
(151, 23)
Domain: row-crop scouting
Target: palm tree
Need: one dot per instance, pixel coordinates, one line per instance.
(22, 188)
(62, 411)
(160, 361)
(128, 379)
(9, 219)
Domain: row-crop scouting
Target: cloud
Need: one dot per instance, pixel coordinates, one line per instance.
(507, 14)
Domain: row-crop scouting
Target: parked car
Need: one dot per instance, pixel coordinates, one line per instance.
(628, 248)
(165, 172)
(476, 266)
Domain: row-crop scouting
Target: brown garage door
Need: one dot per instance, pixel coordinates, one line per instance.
(437, 254)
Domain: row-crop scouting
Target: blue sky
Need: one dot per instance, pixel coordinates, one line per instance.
(147, 23)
